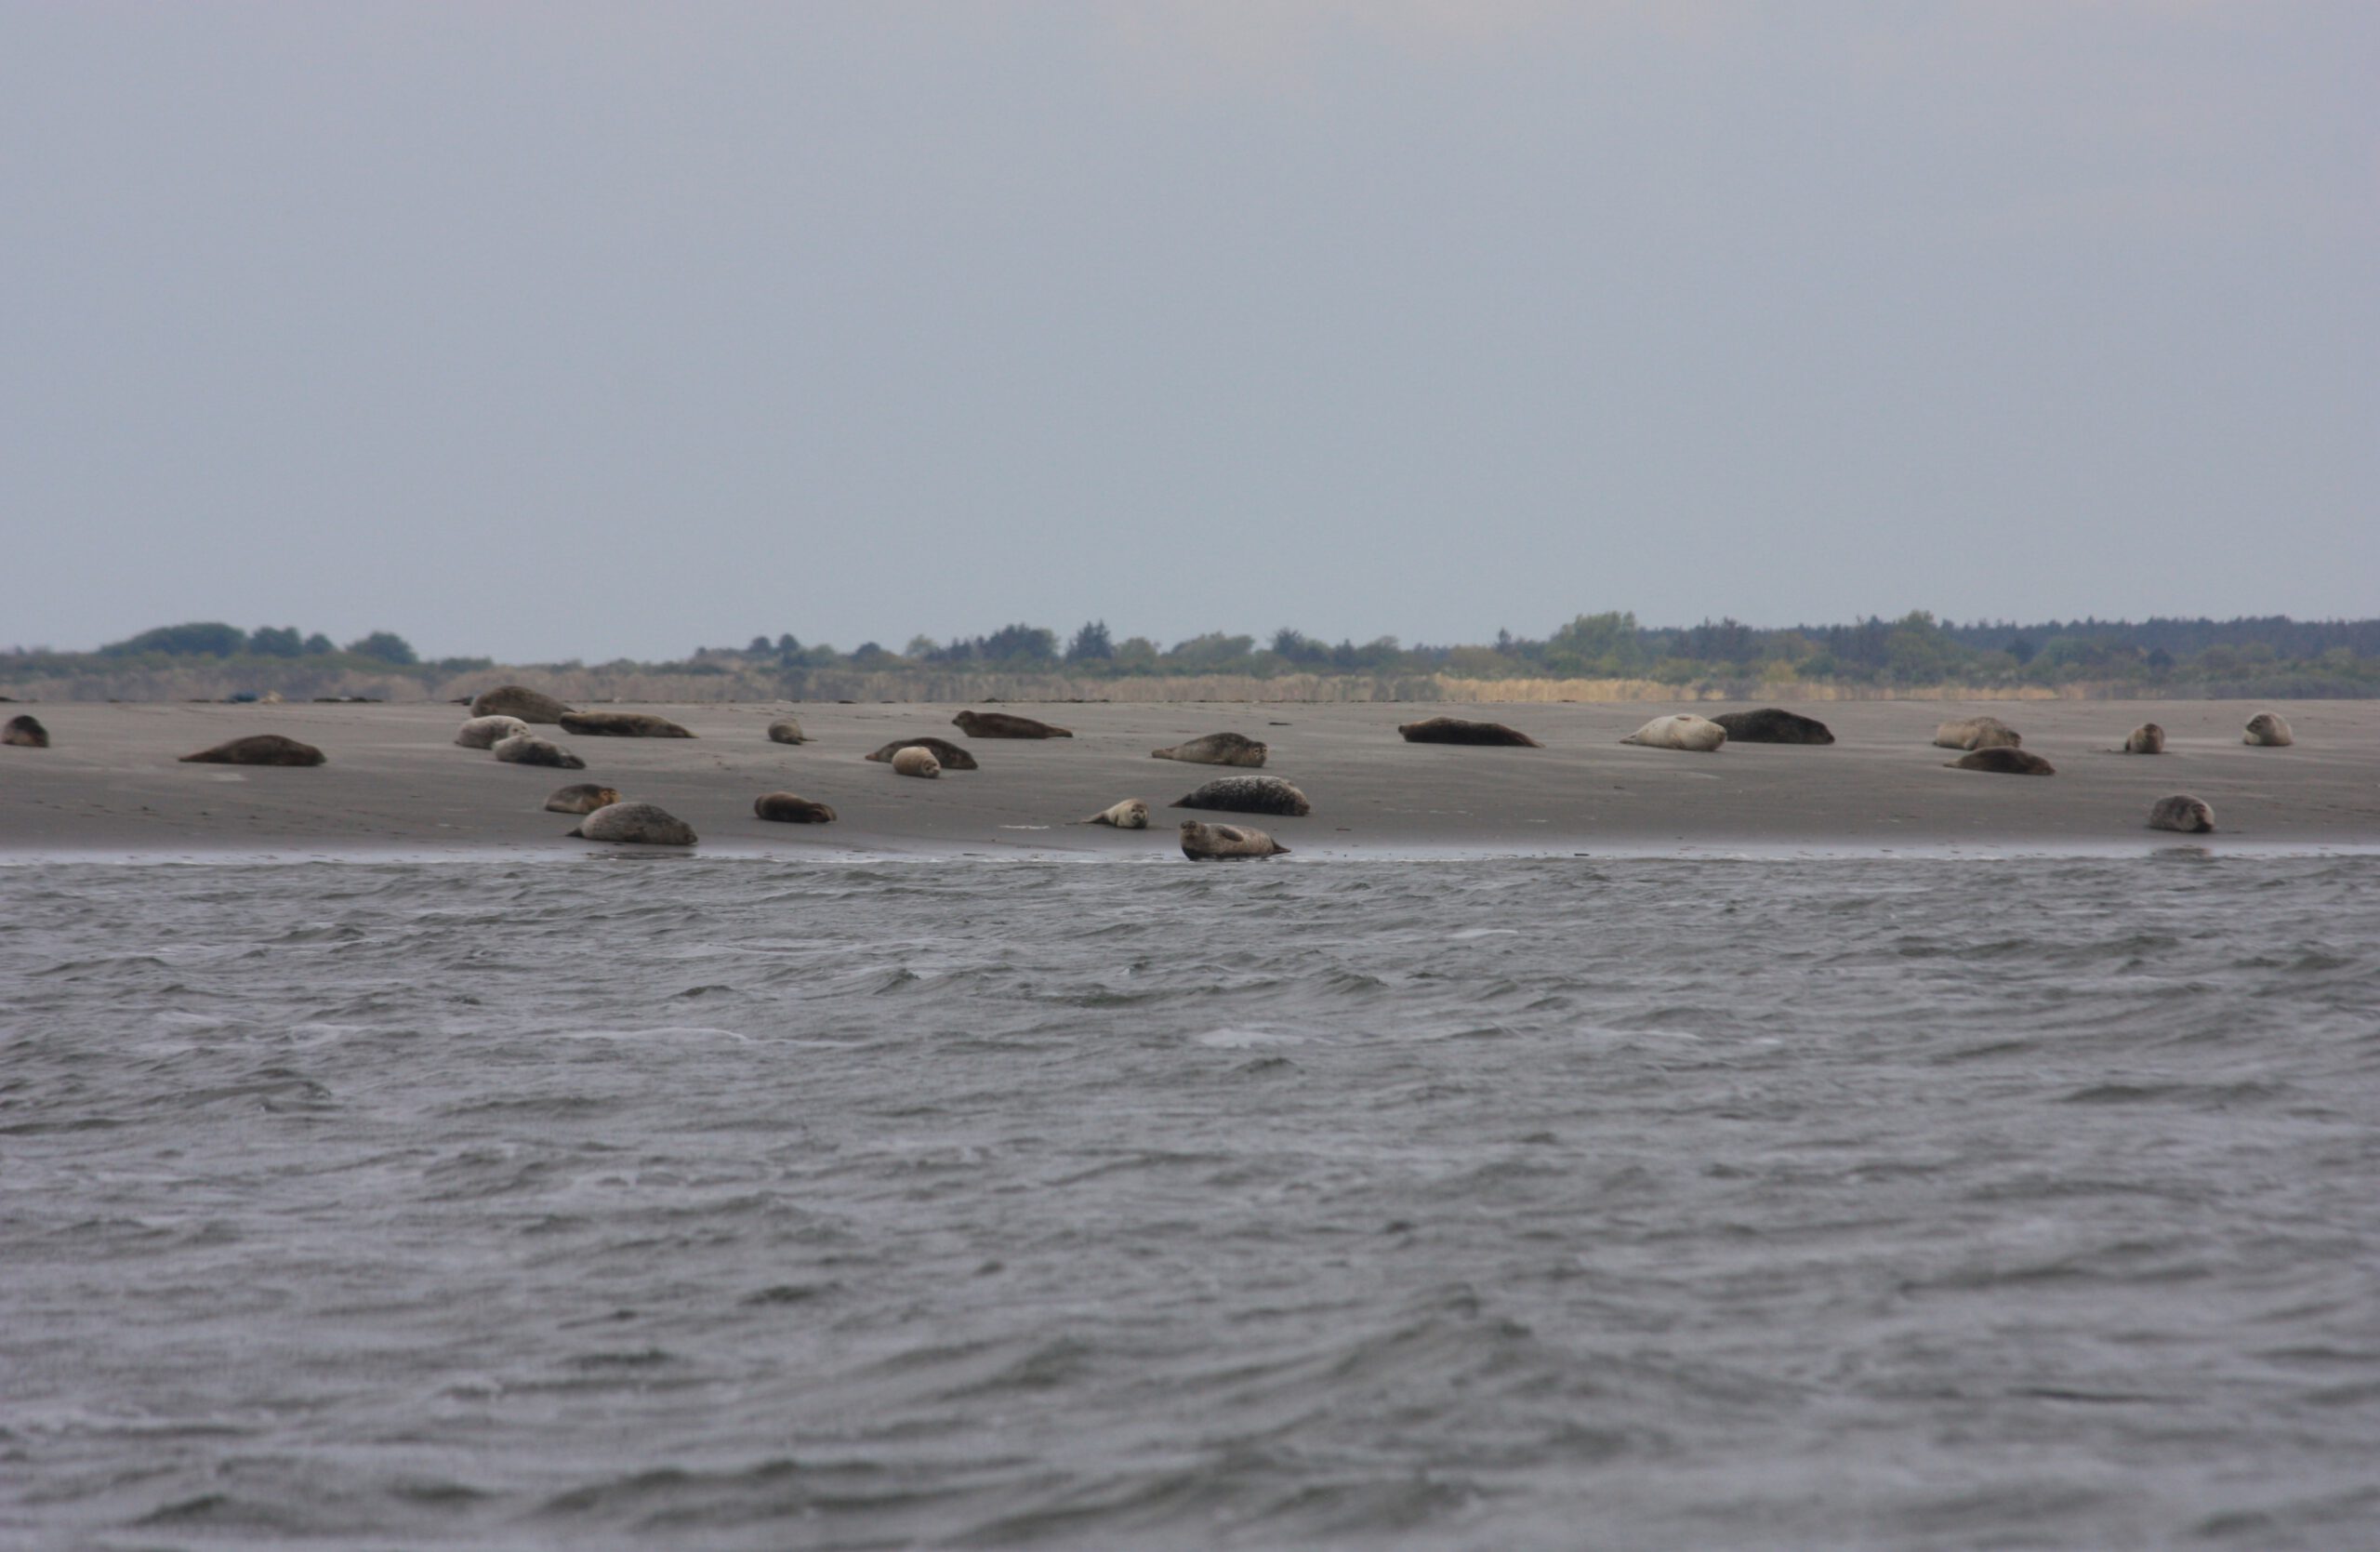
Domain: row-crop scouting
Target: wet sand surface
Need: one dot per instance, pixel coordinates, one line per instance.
(396, 781)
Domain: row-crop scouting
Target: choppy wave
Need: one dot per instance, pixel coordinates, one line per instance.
(1091, 1204)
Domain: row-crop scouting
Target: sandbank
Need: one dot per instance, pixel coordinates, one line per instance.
(396, 783)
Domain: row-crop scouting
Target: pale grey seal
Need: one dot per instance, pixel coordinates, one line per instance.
(1131, 813)
(785, 730)
(1977, 733)
(1684, 731)
(2182, 811)
(1206, 843)
(481, 733)
(951, 755)
(1216, 749)
(639, 823)
(916, 761)
(2266, 730)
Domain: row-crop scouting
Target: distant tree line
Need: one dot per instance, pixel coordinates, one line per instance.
(2270, 654)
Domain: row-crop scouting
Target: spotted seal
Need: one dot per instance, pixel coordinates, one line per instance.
(1454, 730)
(2182, 811)
(1248, 795)
(2266, 730)
(785, 730)
(258, 748)
(2147, 738)
(527, 749)
(643, 824)
(1216, 749)
(585, 798)
(1215, 842)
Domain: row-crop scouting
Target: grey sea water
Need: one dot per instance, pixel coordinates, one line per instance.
(644, 1201)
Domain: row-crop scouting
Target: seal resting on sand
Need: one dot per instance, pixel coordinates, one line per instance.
(647, 824)
(258, 748)
(1248, 795)
(2182, 811)
(1131, 813)
(2147, 738)
(585, 798)
(527, 749)
(25, 732)
(518, 700)
(1000, 725)
(785, 730)
(1454, 730)
(793, 809)
(481, 733)
(916, 760)
(949, 755)
(2267, 731)
(1205, 842)
(1681, 732)
(1977, 733)
(1216, 749)
(1774, 724)
(2002, 759)
(621, 725)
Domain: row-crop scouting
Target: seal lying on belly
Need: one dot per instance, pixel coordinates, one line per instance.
(621, 725)
(947, 754)
(1131, 813)
(1216, 749)
(1681, 732)
(785, 730)
(1977, 733)
(258, 748)
(2147, 738)
(518, 700)
(793, 809)
(916, 761)
(1454, 730)
(2002, 759)
(527, 749)
(2184, 813)
(585, 798)
(1001, 724)
(481, 733)
(643, 824)
(25, 732)
(1248, 795)
(1773, 724)
(1206, 843)
(2267, 731)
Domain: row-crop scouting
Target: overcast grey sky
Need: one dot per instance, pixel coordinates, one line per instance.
(587, 329)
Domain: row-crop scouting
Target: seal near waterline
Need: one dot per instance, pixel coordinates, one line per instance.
(1001, 724)
(258, 748)
(481, 733)
(2266, 730)
(1217, 842)
(2002, 761)
(1774, 724)
(2184, 813)
(25, 732)
(643, 824)
(1684, 731)
(585, 798)
(1248, 795)
(527, 749)
(785, 730)
(1454, 730)
(1217, 748)
(2147, 738)
(916, 760)
(518, 700)
(621, 725)
(1131, 813)
(793, 809)
(1977, 733)
(950, 756)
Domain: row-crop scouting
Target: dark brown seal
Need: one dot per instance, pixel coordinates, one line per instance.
(25, 732)
(1217, 748)
(527, 749)
(2004, 761)
(1248, 795)
(1000, 725)
(258, 748)
(2182, 811)
(518, 700)
(791, 809)
(1213, 842)
(621, 725)
(1454, 730)
(1774, 724)
(947, 754)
